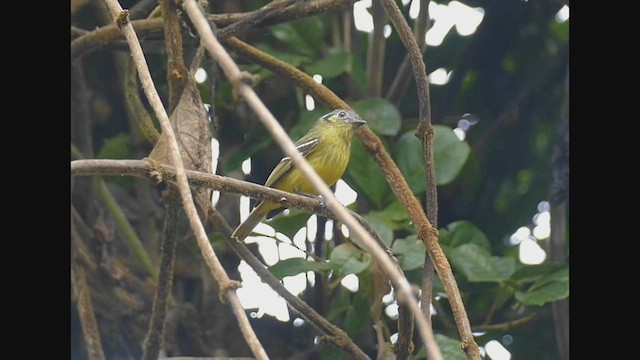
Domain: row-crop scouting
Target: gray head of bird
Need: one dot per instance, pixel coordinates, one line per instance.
(344, 116)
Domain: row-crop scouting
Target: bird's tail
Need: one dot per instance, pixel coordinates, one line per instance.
(243, 230)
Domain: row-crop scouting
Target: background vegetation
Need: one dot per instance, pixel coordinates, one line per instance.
(509, 80)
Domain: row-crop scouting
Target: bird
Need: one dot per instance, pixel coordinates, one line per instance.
(327, 148)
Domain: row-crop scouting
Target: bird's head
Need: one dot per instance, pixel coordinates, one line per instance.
(343, 117)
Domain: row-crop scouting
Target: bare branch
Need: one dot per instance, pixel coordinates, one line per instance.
(81, 292)
(108, 35)
(375, 51)
(176, 70)
(153, 339)
(334, 334)
(505, 326)
(120, 17)
(255, 18)
(425, 134)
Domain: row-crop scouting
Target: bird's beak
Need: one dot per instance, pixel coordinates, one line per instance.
(357, 122)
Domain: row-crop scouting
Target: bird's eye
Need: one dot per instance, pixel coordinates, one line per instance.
(342, 114)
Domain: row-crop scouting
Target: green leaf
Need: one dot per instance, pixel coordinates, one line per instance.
(549, 292)
(394, 216)
(396, 212)
(450, 154)
(356, 70)
(295, 266)
(561, 274)
(332, 353)
(116, 147)
(367, 175)
(409, 156)
(291, 223)
(410, 252)
(381, 116)
(477, 264)
(384, 231)
(331, 66)
(532, 273)
(450, 348)
(348, 259)
(463, 232)
(216, 237)
(304, 36)
(290, 58)
(313, 30)
(358, 316)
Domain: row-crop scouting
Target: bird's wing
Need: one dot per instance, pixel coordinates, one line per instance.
(305, 146)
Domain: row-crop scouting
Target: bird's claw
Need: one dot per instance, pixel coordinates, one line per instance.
(321, 206)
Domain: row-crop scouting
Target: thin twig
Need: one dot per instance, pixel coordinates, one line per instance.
(125, 229)
(82, 295)
(505, 326)
(255, 18)
(155, 332)
(176, 69)
(120, 17)
(135, 107)
(375, 51)
(237, 78)
(403, 77)
(333, 334)
(108, 35)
